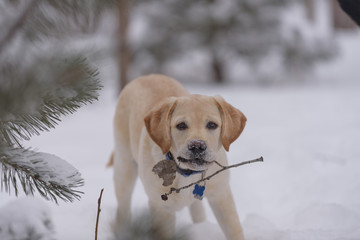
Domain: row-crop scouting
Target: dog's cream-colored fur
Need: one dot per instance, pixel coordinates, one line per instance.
(147, 113)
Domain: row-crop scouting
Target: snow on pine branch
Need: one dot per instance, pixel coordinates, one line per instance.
(51, 176)
(45, 90)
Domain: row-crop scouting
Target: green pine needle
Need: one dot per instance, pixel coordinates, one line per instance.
(60, 89)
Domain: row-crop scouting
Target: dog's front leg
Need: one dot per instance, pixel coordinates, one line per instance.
(197, 212)
(224, 210)
(163, 221)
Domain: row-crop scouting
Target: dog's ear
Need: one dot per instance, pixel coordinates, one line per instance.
(157, 123)
(233, 122)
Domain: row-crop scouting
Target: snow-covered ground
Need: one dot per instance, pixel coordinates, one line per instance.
(308, 187)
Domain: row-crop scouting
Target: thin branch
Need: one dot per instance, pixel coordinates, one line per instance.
(18, 24)
(98, 214)
(223, 168)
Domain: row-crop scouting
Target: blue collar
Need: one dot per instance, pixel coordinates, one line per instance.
(182, 171)
(169, 156)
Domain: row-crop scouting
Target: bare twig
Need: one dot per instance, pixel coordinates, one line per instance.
(223, 168)
(18, 24)
(98, 214)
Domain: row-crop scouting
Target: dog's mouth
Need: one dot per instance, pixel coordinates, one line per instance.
(198, 164)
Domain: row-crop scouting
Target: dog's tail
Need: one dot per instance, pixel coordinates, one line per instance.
(111, 160)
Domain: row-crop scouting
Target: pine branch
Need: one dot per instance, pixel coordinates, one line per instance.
(37, 102)
(49, 18)
(51, 176)
(39, 84)
(20, 21)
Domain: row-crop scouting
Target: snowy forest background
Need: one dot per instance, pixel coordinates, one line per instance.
(290, 66)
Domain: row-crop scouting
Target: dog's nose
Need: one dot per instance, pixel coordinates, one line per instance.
(197, 146)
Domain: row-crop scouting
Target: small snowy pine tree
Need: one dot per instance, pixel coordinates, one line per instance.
(41, 80)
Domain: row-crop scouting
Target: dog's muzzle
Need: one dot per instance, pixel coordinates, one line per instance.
(195, 164)
(197, 149)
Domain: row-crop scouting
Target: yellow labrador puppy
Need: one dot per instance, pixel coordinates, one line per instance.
(156, 118)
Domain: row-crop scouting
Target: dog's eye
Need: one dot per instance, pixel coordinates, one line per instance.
(211, 125)
(181, 126)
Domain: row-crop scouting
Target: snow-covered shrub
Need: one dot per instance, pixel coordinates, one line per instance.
(26, 218)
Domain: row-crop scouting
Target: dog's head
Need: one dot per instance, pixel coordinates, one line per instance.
(194, 128)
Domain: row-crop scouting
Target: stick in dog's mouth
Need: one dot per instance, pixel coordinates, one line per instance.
(196, 163)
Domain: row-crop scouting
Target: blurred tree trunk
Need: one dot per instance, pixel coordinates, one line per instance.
(310, 11)
(217, 70)
(123, 54)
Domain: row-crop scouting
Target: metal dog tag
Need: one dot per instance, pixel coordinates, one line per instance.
(200, 189)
